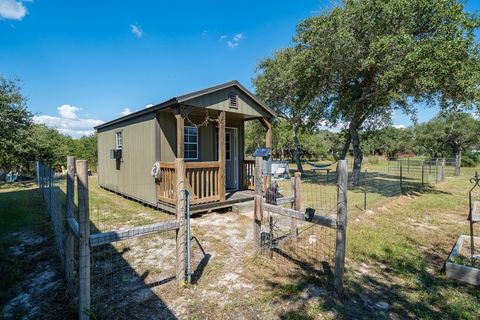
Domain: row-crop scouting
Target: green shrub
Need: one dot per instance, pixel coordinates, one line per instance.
(372, 160)
(469, 160)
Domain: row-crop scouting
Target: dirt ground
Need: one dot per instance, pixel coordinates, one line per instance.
(42, 291)
(229, 280)
(395, 257)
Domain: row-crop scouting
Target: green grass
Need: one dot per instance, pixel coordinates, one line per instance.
(403, 242)
(21, 209)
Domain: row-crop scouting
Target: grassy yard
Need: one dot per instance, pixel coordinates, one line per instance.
(31, 281)
(395, 255)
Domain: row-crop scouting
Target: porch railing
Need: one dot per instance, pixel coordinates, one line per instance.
(201, 178)
(202, 181)
(248, 174)
(166, 182)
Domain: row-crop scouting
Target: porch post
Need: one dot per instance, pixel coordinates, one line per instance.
(180, 132)
(268, 143)
(221, 155)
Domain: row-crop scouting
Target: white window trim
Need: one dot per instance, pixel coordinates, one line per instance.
(118, 146)
(184, 143)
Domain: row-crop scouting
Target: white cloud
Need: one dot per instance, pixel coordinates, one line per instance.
(12, 9)
(67, 111)
(149, 105)
(399, 126)
(233, 41)
(232, 44)
(136, 30)
(238, 37)
(125, 112)
(68, 122)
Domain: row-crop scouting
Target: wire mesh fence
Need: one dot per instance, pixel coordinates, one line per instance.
(53, 189)
(404, 176)
(300, 233)
(297, 245)
(125, 275)
(137, 259)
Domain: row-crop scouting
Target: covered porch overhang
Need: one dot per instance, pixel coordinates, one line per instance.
(206, 180)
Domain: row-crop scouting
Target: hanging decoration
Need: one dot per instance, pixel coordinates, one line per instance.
(205, 122)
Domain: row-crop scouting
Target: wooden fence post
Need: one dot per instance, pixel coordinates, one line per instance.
(37, 172)
(50, 189)
(258, 204)
(443, 169)
(436, 170)
(70, 207)
(180, 212)
(297, 200)
(84, 245)
(458, 163)
(341, 232)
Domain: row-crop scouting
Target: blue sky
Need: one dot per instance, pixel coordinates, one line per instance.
(84, 62)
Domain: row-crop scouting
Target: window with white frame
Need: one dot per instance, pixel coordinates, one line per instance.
(118, 140)
(190, 143)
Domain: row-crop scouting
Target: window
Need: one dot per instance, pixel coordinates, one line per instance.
(233, 100)
(228, 146)
(118, 140)
(190, 143)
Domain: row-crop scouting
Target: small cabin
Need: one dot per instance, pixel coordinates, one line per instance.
(206, 128)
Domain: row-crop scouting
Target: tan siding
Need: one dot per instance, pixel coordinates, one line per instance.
(132, 176)
(168, 136)
(219, 101)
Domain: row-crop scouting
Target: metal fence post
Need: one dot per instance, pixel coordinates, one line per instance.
(365, 191)
(341, 232)
(423, 173)
(84, 245)
(401, 178)
(187, 218)
(258, 204)
(180, 208)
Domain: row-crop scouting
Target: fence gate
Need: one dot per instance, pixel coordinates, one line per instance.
(101, 264)
(311, 234)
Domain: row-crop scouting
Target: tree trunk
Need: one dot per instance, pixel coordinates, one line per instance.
(297, 154)
(357, 155)
(348, 138)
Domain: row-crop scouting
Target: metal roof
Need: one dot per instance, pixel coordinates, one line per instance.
(176, 100)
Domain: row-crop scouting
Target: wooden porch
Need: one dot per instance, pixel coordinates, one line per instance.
(206, 180)
(204, 185)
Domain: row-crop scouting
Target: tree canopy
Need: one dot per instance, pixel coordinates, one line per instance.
(358, 62)
(280, 85)
(22, 141)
